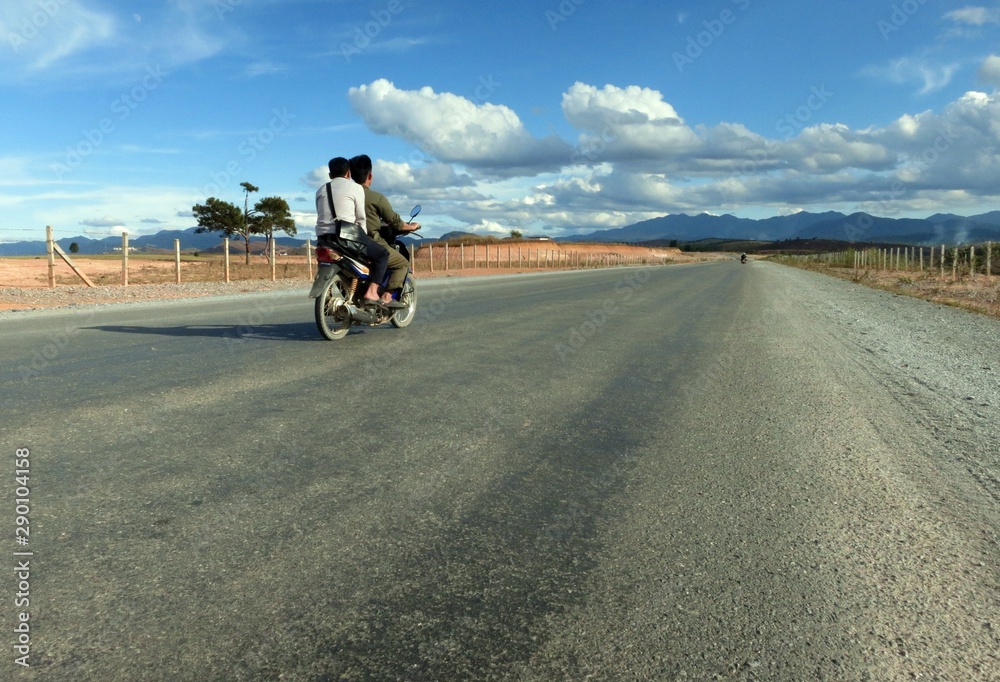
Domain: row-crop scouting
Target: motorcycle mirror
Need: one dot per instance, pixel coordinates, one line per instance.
(414, 212)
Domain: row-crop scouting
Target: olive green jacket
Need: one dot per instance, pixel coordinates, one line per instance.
(380, 217)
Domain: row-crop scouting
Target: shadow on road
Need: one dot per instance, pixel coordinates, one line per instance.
(301, 331)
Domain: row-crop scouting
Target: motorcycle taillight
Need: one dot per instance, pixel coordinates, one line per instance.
(325, 255)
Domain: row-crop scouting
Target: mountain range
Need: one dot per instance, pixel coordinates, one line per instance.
(940, 228)
(161, 241)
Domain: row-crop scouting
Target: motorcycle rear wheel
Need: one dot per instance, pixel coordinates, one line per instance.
(331, 324)
(408, 296)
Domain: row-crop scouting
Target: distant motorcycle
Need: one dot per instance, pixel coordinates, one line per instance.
(339, 288)
(743, 259)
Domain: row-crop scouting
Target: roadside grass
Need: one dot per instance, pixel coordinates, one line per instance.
(981, 295)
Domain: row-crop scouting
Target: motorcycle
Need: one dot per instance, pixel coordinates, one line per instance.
(743, 259)
(339, 287)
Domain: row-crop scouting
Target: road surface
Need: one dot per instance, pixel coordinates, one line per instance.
(693, 472)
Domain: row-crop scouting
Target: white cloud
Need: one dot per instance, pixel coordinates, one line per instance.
(401, 178)
(69, 208)
(989, 71)
(636, 127)
(262, 68)
(928, 76)
(592, 109)
(975, 16)
(489, 227)
(39, 37)
(453, 129)
(649, 161)
(106, 221)
(66, 40)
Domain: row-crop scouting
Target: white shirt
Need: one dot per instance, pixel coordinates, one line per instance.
(349, 202)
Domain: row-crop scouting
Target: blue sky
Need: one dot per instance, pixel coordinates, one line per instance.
(548, 116)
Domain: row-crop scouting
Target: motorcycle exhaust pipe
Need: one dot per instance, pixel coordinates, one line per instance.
(360, 315)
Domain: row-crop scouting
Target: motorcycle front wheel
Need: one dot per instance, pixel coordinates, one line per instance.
(408, 297)
(333, 324)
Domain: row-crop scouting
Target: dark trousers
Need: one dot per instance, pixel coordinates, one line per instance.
(398, 265)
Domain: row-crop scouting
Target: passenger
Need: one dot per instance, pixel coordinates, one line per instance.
(340, 217)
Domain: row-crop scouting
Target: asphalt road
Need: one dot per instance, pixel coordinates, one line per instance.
(693, 472)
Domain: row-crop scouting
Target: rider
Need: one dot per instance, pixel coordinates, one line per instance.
(743, 258)
(383, 223)
(349, 204)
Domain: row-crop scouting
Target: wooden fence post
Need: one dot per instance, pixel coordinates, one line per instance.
(177, 261)
(430, 255)
(989, 261)
(124, 259)
(942, 261)
(274, 272)
(972, 262)
(225, 249)
(309, 259)
(52, 248)
(954, 265)
(51, 252)
(446, 256)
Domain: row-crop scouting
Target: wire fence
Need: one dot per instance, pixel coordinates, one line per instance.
(956, 262)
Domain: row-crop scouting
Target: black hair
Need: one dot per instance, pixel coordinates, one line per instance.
(361, 166)
(338, 167)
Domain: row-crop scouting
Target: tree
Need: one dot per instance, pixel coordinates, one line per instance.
(270, 214)
(74, 248)
(516, 234)
(247, 227)
(216, 215)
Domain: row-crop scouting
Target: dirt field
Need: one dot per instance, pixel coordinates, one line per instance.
(24, 280)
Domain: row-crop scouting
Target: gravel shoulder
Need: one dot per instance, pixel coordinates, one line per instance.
(15, 299)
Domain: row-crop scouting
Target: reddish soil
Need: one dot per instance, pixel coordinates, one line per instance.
(31, 273)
